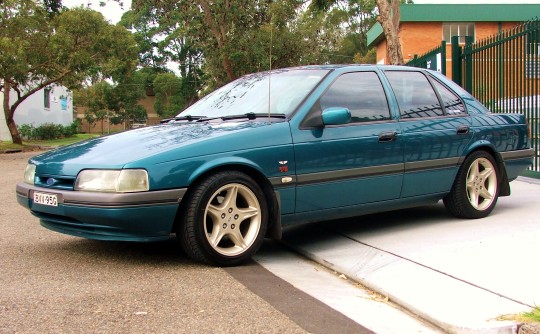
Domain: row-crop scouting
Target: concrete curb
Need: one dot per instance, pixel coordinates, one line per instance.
(449, 303)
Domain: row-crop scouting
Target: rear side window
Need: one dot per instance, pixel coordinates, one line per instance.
(415, 95)
(362, 93)
(452, 103)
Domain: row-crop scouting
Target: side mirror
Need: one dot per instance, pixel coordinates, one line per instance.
(336, 116)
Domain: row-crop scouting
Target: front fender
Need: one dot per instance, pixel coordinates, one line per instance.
(221, 162)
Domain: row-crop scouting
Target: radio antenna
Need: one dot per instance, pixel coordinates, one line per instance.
(270, 70)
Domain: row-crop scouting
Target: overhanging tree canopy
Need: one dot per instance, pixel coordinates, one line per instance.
(68, 48)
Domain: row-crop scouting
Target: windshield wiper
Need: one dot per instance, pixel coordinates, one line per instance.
(188, 118)
(252, 116)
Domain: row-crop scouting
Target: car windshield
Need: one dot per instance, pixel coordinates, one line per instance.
(249, 94)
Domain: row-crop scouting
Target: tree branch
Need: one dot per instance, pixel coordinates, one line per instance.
(22, 98)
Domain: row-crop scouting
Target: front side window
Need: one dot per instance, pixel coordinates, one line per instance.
(362, 93)
(416, 98)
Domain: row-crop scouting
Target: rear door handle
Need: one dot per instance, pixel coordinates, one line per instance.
(385, 137)
(463, 130)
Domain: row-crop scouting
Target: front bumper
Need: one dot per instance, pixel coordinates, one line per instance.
(144, 216)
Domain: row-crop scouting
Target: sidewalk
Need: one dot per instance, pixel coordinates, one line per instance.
(460, 275)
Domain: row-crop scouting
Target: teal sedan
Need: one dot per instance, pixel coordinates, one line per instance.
(278, 148)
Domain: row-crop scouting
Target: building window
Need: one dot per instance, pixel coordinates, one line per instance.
(532, 63)
(47, 98)
(458, 29)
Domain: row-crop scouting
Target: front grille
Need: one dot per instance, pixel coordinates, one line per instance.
(55, 182)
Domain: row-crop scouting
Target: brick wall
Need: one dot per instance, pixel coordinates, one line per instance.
(421, 37)
(105, 127)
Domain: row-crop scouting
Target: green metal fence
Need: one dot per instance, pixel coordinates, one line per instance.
(502, 71)
(434, 59)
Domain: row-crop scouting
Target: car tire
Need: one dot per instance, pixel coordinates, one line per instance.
(224, 220)
(476, 188)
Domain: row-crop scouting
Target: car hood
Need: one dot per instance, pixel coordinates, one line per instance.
(167, 141)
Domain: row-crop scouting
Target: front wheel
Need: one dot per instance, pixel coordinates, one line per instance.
(476, 187)
(225, 219)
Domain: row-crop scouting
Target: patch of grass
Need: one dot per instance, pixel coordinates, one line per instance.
(534, 315)
(62, 141)
(528, 317)
(36, 144)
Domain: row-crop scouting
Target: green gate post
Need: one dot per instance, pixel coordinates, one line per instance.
(468, 63)
(456, 60)
(443, 57)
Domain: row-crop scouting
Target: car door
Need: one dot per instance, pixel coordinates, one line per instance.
(436, 131)
(345, 165)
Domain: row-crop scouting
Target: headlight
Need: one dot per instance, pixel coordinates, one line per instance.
(122, 181)
(29, 173)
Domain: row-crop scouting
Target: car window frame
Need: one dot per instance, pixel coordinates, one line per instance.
(446, 114)
(316, 109)
(401, 118)
(429, 78)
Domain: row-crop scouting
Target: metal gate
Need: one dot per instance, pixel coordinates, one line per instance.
(503, 72)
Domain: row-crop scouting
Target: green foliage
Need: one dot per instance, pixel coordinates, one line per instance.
(49, 131)
(215, 42)
(369, 58)
(533, 316)
(67, 46)
(118, 102)
(26, 131)
(170, 94)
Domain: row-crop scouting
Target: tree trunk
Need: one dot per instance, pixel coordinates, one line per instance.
(389, 19)
(220, 34)
(8, 112)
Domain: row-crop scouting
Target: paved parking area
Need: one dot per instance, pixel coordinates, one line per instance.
(54, 283)
(459, 274)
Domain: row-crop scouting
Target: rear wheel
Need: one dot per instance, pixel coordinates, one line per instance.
(476, 187)
(225, 219)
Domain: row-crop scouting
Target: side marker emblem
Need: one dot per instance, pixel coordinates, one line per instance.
(286, 179)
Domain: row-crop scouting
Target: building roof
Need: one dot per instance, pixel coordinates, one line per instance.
(515, 12)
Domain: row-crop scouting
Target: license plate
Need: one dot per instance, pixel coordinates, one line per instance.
(46, 199)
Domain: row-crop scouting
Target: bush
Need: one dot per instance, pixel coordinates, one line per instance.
(72, 129)
(49, 131)
(26, 131)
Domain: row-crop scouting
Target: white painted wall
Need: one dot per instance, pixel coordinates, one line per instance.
(33, 112)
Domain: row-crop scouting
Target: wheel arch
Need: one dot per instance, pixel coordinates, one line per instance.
(274, 228)
(483, 145)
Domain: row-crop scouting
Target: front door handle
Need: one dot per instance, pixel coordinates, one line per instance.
(385, 137)
(463, 130)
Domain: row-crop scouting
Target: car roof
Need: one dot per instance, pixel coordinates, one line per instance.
(341, 66)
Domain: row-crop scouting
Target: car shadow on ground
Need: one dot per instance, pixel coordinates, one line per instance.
(163, 253)
(169, 253)
(385, 222)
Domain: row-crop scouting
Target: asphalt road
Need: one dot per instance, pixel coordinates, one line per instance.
(54, 283)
